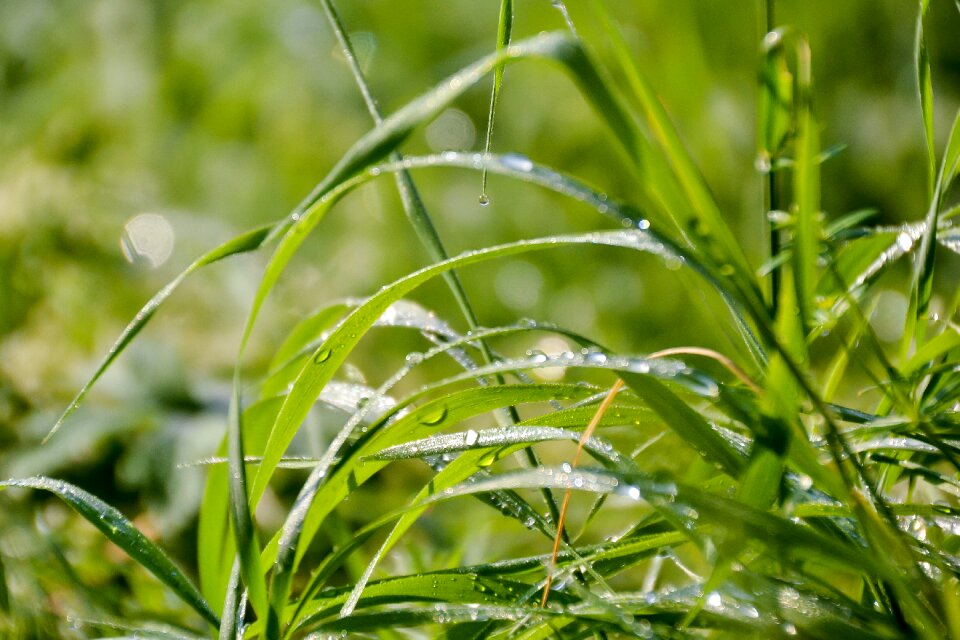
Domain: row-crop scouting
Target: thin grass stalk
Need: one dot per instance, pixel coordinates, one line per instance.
(417, 214)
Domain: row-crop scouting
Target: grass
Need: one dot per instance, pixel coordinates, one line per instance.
(744, 493)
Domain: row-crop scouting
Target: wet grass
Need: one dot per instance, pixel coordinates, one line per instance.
(747, 492)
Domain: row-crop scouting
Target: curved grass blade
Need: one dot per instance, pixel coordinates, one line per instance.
(504, 31)
(701, 203)
(922, 286)
(488, 438)
(302, 522)
(122, 533)
(244, 243)
(741, 521)
(412, 203)
(320, 370)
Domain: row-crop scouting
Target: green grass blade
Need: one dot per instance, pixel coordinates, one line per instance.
(925, 92)
(328, 358)
(232, 606)
(301, 523)
(806, 187)
(119, 530)
(215, 544)
(701, 202)
(504, 32)
(413, 205)
(922, 289)
(244, 243)
(488, 438)
(686, 422)
(241, 518)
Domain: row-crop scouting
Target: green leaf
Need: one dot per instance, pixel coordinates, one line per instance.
(244, 243)
(925, 91)
(122, 533)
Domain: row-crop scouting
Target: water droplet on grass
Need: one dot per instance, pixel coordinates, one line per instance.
(484, 200)
(517, 161)
(322, 356)
(435, 416)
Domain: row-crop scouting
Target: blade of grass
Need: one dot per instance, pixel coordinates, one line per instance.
(244, 243)
(119, 530)
(925, 93)
(504, 31)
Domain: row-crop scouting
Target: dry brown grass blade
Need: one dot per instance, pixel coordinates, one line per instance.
(597, 417)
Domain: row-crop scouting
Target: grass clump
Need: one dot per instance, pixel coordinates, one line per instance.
(760, 490)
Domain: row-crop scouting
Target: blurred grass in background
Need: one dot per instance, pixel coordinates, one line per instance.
(135, 134)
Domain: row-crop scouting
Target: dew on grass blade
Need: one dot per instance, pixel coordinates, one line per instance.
(517, 161)
(322, 356)
(434, 417)
(484, 200)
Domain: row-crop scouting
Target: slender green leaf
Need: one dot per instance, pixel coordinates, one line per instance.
(122, 533)
(244, 243)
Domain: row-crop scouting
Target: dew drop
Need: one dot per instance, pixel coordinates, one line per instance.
(322, 356)
(414, 357)
(518, 162)
(435, 416)
(484, 200)
(643, 225)
(904, 241)
(596, 357)
(471, 437)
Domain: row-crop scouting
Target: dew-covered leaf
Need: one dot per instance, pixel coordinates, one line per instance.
(119, 530)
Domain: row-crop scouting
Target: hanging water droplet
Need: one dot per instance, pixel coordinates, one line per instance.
(435, 416)
(484, 200)
(487, 459)
(322, 356)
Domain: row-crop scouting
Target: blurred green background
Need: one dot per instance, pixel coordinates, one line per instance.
(136, 134)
